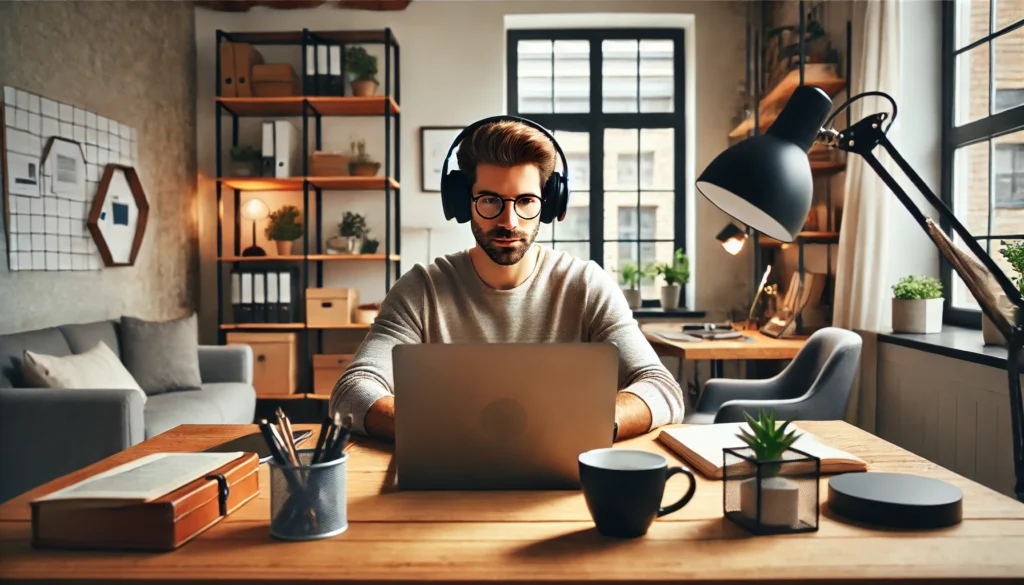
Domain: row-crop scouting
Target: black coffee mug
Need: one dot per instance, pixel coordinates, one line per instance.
(624, 487)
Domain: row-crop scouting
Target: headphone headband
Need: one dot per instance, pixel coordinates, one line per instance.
(505, 118)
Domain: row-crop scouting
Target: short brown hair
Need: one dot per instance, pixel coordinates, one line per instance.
(507, 144)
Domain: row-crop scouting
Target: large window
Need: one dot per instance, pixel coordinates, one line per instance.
(612, 98)
(983, 139)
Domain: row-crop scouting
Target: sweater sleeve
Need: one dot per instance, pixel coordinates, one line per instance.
(640, 369)
(370, 376)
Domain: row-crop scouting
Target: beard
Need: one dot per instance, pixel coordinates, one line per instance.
(504, 255)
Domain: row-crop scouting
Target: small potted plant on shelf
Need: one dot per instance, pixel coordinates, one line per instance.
(1013, 252)
(370, 245)
(362, 71)
(246, 161)
(284, 228)
(675, 275)
(917, 305)
(366, 313)
(630, 277)
(773, 477)
(352, 230)
(361, 165)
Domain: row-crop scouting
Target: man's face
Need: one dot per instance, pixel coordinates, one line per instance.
(507, 236)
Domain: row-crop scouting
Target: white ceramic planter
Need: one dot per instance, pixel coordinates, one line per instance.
(633, 298)
(670, 297)
(917, 316)
(780, 501)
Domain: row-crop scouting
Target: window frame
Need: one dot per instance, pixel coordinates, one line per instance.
(595, 121)
(954, 137)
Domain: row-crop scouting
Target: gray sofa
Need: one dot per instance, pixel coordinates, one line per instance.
(47, 433)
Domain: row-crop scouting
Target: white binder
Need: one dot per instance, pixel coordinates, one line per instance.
(286, 150)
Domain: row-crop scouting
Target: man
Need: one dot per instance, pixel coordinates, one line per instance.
(507, 289)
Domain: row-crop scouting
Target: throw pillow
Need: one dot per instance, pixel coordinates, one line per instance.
(97, 368)
(163, 356)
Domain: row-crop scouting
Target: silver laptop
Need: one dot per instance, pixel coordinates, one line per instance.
(500, 416)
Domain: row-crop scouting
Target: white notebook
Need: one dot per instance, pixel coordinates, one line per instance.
(701, 446)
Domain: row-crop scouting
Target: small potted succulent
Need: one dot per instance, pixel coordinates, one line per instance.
(1013, 252)
(675, 275)
(772, 477)
(362, 71)
(284, 228)
(630, 276)
(361, 165)
(246, 161)
(366, 313)
(352, 231)
(917, 305)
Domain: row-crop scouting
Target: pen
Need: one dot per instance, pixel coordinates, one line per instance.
(325, 430)
(268, 436)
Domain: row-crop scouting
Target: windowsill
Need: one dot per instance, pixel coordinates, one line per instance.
(961, 343)
(659, 313)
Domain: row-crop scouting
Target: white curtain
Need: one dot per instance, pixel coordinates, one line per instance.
(861, 292)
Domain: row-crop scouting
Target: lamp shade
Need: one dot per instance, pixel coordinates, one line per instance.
(255, 209)
(765, 181)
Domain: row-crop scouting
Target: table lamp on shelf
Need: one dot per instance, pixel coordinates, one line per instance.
(732, 238)
(254, 210)
(765, 182)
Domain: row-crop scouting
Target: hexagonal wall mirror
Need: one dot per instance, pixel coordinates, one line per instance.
(119, 214)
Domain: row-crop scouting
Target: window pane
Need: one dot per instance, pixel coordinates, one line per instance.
(572, 76)
(1008, 12)
(620, 158)
(534, 76)
(576, 225)
(620, 217)
(970, 186)
(576, 146)
(656, 83)
(619, 76)
(657, 146)
(1008, 167)
(577, 249)
(972, 20)
(1008, 71)
(971, 93)
(662, 214)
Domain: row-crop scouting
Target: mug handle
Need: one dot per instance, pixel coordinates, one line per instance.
(685, 499)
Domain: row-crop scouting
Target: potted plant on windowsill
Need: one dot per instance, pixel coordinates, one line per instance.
(917, 305)
(675, 275)
(285, 229)
(362, 71)
(630, 277)
(1014, 254)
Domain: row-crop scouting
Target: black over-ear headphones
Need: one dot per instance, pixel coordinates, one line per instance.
(457, 192)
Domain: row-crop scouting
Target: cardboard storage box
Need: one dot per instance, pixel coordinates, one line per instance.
(327, 368)
(330, 307)
(274, 357)
(274, 80)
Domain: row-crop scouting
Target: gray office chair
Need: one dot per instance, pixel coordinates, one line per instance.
(814, 386)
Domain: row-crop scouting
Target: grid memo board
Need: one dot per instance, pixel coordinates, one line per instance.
(47, 229)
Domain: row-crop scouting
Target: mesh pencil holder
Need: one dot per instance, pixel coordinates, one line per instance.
(308, 502)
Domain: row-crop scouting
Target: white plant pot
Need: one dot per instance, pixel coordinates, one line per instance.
(633, 298)
(780, 501)
(917, 316)
(670, 297)
(989, 332)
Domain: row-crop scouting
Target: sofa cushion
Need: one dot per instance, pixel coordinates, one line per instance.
(162, 355)
(82, 337)
(96, 369)
(12, 347)
(220, 403)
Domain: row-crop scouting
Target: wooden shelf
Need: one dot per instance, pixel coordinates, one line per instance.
(820, 76)
(805, 237)
(311, 257)
(262, 326)
(296, 183)
(295, 37)
(822, 168)
(352, 326)
(293, 106)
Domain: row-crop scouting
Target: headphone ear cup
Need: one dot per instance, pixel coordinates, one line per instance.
(455, 196)
(556, 198)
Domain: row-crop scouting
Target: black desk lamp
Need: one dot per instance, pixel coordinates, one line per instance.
(765, 182)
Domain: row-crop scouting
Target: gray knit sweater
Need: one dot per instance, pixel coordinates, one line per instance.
(564, 300)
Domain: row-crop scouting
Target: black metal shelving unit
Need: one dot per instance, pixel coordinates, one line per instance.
(312, 109)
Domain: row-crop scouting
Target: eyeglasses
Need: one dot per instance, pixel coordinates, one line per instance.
(491, 206)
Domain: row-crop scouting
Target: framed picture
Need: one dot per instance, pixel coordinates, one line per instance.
(434, 144)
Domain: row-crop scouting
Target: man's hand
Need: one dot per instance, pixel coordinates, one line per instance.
(632, 414)
(380, 419)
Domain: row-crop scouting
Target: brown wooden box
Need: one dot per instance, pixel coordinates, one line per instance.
(330, 307)
(328, 164)
(275, 361)
(327, 368)
(275, 80)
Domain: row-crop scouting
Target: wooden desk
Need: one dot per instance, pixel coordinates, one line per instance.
(754, 346)
(536, 536)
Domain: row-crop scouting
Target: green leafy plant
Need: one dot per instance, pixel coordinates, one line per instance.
(1014, 254)
(284, 225)
(629, 275)
(353, 225)
(917, 288)
(676, 273)
(244, 153)
(768, 442)
(361, 65)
